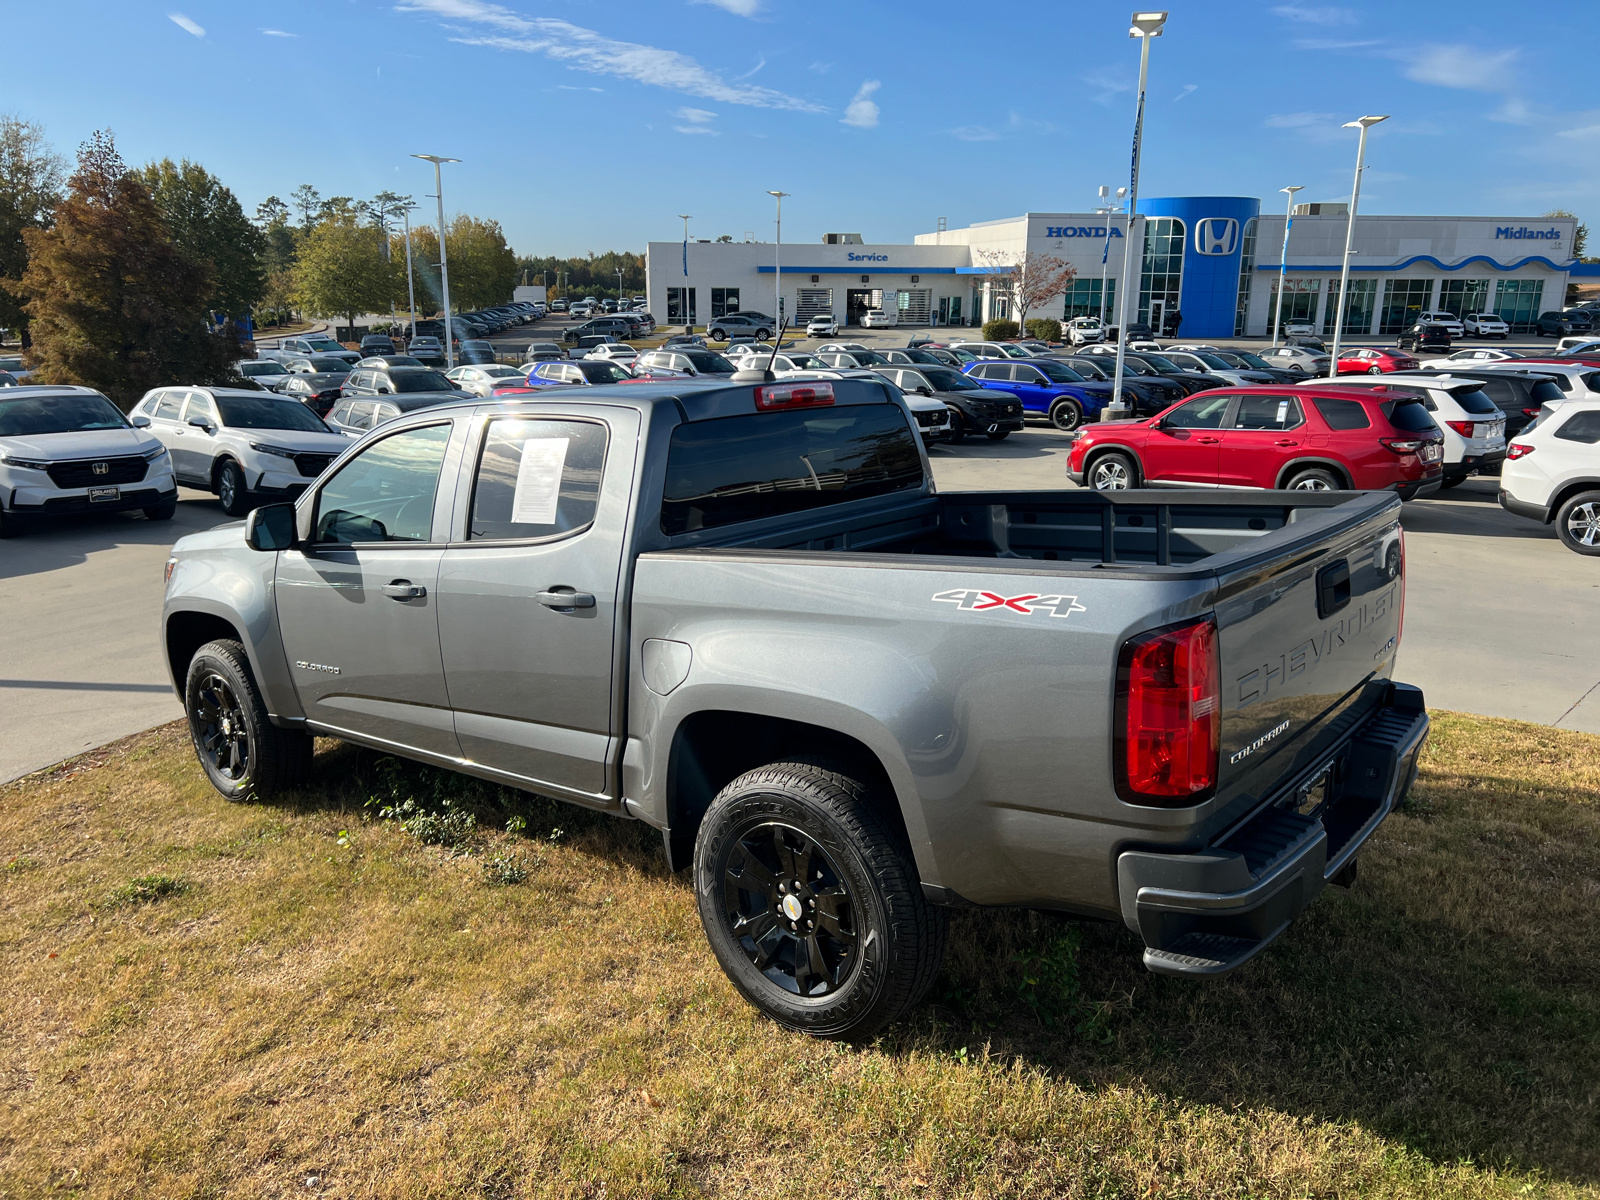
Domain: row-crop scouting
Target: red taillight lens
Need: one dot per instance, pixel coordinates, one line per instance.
(1402, 445)
(1169, 716)
(774, 397)
(1530, 412)
(1518, 450)
(1464, 428)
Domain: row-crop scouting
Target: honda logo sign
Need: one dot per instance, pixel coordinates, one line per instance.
(1216, 235)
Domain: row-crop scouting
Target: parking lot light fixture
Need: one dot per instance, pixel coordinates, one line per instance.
(1342, 301)
(1146, 25)
(777, 266)
(444, 268)
(1283, 260)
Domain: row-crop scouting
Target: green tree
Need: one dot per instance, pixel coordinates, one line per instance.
(483, 269)
(424, 267)
(594, 275)
(30, 188)
(342, 270)
(282, 240)
(207, 223)
(306, 200)
(1580, 236)
(114, 304)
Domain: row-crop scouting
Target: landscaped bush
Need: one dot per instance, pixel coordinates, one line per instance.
(1046, 329)
(1000, 331)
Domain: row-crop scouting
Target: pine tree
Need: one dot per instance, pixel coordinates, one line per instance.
(207, 223)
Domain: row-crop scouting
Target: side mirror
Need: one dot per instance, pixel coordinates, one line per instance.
(200, 423)
(139, 421)
(925, 391)
(383, 391)
(270, 527)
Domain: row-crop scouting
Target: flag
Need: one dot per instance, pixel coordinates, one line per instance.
(686, 256)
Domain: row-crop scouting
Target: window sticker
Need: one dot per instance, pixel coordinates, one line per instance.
(539, 481)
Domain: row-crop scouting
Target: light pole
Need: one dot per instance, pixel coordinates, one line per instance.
(1363, 124)
(1146, 25)
(1283, 260)
(444, 267)
(1108, 211)
(688, 318)
(777, 266)
(411, 286)
(619, 289)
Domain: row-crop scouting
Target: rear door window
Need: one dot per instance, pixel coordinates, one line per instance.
(1267, 412)
(1342, 414)
(537, 479)
(735, 469)
(171, 406)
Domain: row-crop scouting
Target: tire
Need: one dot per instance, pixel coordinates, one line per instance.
(1578, 523)
(1314, 479)
(958, 428)
(231, 490)
(811, 836)
(717, 335)
(1112, 472)
(998, 435)
(163, 511)
(242, 752)
(1374, 370)
(1066, 415)
(762, 334)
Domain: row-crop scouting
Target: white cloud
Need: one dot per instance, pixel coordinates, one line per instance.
(1333, 43)
(695, 116)
(696, 129)
(1464, 67)
(1188, 89)
(185, 24)
(821, 68)
(586, 50)
(1296, 120)
(281, 33)
(1585, 131)
(752, 70)
(1108, 83)
(862, 112)
(974, 133)
(1318, 15)
(739, 8)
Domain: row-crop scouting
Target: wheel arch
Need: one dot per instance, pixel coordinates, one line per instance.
(1100, 452)
(187, 630)
(1566, 492)
(217, 464)
(1327, 464)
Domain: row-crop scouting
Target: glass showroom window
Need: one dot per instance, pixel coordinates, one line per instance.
(677, 313)
(1357, 309)
(1403, 299)
(1083, 299)
(1516, 302)
(1162, 275)
(1300, 297)
(1247, 271)
(1463, 296)
(724, 301)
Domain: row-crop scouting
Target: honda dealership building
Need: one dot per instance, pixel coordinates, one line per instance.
(1215, 259)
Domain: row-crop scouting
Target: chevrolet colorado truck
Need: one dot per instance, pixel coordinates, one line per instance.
(742, 614)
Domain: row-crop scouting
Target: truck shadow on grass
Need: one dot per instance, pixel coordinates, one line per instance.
(1449, 1002)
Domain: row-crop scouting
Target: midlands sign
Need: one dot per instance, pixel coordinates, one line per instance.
(1522, 231)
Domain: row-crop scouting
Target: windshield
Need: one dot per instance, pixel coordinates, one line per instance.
(869, 359)
(420, 381)
(1057, 372)
(1090, 370)
(1212, 361)
(1159, 363)
(704, 361)
(500, 372)
(323, 344)
(1014, 352)
(251, 412)
(60, 414)
(324, 365)
(601, 371)
(965, 356)
(254, 370)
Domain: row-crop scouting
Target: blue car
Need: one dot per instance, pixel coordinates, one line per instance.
(1046, 387)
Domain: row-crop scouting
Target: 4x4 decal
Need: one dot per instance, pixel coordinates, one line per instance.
(970, 600)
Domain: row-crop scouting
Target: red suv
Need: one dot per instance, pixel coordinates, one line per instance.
(1371, 360)
(1312, 438)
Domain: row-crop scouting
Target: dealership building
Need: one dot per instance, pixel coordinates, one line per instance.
(1214, 259)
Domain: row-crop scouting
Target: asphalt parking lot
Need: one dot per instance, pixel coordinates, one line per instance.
(1499, 615)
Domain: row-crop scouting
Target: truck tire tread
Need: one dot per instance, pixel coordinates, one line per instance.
(280, 758)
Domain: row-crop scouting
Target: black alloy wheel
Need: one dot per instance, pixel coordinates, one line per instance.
(1066, 415)
(242, 752)
(221, 735)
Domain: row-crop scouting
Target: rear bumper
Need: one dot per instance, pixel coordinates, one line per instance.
(1420, 487)
(1521, 508)
(1473, 462)
(1209, 912)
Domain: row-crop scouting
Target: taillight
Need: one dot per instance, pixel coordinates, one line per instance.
(171, 564)
(1518, 450)
(1464, 428)
(1168, 716)
(773, 397)
(1402, 445)
(1530, 412)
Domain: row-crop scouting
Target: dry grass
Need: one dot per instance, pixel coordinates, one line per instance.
(315, 1003)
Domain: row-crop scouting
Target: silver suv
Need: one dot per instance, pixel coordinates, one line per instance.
(238, 444)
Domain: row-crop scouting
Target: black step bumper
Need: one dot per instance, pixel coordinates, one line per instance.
(1209, 912)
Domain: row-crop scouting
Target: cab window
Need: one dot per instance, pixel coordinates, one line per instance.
(385, 493)
(536, 479)
(1203, 412)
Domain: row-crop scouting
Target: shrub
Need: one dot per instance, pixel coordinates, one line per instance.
(1000, 330)
(1046, 329)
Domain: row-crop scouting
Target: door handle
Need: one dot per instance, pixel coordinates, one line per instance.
(1286, 442)
(564, 599)
(1208, 441)
(404, 589)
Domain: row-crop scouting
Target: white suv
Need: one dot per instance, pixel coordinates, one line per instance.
(66, 449)
(1552, 473)
(1485, 325)
(824, 326)
(239, 444)
(1448, 319)
(1473, 425)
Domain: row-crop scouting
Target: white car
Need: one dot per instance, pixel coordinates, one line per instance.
(1473, 425)
(1202, 363)
(480, 380)
(618, 352)
(1485, 325)
(1085, 331)
(1448, 319)
(313, 347)
(1290, 358)
(822, 327)
(879, 318)
(241, 445)
(1552, 473)
(1585, 345)
(1472, 358)
(992, 349)
(789, 362)
(840, 348)
(1303, 328)
(66, 449)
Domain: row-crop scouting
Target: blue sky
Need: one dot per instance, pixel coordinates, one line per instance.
(588, 126)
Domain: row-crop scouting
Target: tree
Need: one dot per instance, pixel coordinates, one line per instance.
(342, 270)
(306, 201)
(114, 304)
(207, 223)
(1029, 279)
(424, 266)
(1580, 236)
(483, 269)
(30, 188)
(596, 274)
(282, 240)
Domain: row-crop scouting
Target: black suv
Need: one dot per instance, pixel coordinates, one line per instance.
(395, 381)
(1424, 335)
(1518, 394)
(376, 343)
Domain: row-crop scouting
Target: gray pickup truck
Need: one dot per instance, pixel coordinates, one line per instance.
(742, 614)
